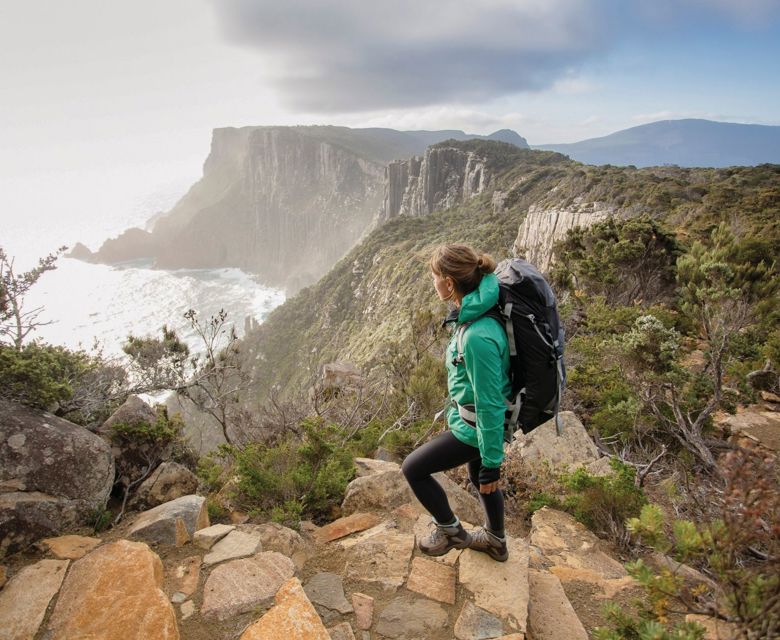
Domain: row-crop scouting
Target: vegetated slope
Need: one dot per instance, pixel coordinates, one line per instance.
(364, 301)
(687, 143)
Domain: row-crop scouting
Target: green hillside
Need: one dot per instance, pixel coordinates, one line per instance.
(364, 301)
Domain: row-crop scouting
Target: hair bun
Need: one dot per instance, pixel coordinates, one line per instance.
(486, 264)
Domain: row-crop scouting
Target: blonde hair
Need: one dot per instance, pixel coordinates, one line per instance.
(461, 263)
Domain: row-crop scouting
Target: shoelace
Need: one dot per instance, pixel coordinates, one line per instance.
(481, 535)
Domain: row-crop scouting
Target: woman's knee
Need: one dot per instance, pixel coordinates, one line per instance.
(408, 467)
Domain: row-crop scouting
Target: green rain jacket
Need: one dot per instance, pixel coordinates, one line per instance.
(483, 378)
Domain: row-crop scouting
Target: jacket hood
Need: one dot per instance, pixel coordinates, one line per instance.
(481, 300)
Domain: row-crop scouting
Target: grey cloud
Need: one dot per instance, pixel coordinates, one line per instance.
(346, 55)
(358, 55)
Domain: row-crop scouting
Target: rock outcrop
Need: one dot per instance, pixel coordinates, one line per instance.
(442, 178)
(53, 475)
(544, 225)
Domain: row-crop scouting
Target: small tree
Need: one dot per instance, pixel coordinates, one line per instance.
(213, 381)
(16, 322)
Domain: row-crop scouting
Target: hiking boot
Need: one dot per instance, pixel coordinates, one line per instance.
(444, 538)
(483, 540)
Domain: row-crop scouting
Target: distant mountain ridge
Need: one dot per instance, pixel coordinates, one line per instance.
(685, 143)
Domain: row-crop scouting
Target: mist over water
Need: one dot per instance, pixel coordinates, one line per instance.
(91, 301)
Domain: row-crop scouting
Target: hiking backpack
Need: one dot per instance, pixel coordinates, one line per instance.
(528, 312)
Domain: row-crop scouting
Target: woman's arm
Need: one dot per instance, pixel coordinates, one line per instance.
(484, 367)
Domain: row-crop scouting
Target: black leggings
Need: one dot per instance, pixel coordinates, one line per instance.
(445, 451)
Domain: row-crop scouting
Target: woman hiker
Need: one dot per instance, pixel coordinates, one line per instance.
(479, 378)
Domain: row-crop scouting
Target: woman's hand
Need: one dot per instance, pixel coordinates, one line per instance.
(488, 479)
(488, 488)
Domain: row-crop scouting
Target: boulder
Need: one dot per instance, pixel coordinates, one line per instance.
(386, 490)
(173, 523)
(370, 466)
(573, 449)
(169, 481)
(132, 456)
(114, 593)
(53, 475)
(24, 600)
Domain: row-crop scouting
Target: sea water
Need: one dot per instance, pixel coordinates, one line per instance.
(85, 302)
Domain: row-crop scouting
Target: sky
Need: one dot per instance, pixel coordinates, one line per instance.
(110, 105)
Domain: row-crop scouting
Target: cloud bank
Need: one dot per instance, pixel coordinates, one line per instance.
(353, 55)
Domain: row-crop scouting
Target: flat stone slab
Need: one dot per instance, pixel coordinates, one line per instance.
(380, 555)
(24, 600)
(432, 579)
(346, 526)
(235, 544)
(575, 553)
(474, 623)
(114, 593)
(327, 590)
(500, 588)
(342, 631)
(173, 522)
(293, 617)
(759, 424)
(238, 586)
(411, 618)
(186, 575)
(71, 547)
(364, 610)
(550, 614)
(208, 537)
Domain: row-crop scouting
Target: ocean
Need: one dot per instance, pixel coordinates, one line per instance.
(86, 302)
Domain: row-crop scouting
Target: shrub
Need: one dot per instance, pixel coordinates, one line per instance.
(741, 549)
(295, 477)
(40, 375)
(604, 503)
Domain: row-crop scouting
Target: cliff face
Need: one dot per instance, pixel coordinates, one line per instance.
(274, 202)
(286, 203)
(442, 178)
(544, 225)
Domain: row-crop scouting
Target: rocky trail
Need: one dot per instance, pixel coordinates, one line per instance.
(167, 573)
